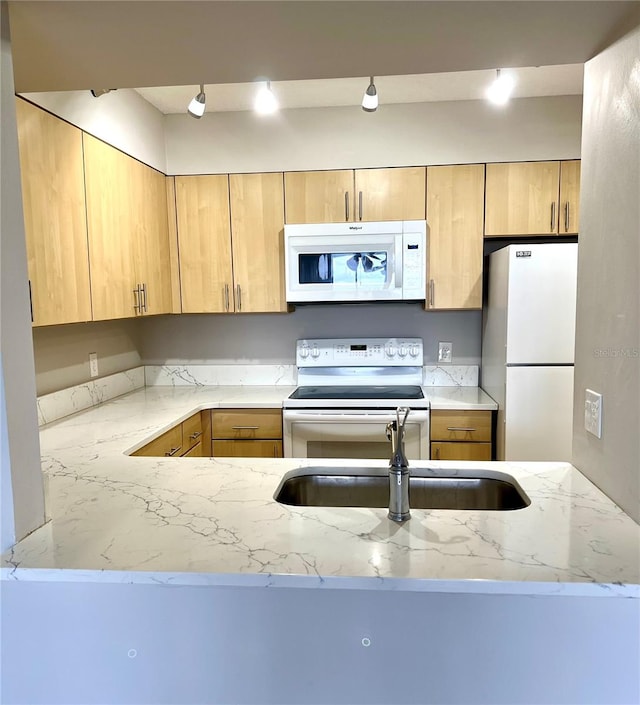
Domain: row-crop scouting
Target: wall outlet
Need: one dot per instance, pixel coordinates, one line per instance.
(445, 352)
(93, 364)
(593, 413)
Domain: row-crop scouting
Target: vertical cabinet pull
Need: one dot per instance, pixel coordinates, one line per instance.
(432, 287)
(30, 301)
(346, 205)
(238, 297)
(144, 298)
(437, 454)
(225, 293)
(566, 217)
(136, 299)
(553, 215)
(359, 205)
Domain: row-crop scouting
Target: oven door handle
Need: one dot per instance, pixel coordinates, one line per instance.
(416, 416)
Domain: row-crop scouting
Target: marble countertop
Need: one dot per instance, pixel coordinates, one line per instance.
(214, 521)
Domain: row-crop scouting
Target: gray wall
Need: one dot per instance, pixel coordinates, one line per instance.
(456, 132)
(125, 643)
(270, 339)
(22, 479)
(608, 315)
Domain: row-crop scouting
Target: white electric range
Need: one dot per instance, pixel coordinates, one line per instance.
(349, 390)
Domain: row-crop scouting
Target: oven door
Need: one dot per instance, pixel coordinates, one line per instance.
(351, 433)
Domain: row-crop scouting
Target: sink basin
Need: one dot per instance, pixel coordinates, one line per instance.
(369, 487)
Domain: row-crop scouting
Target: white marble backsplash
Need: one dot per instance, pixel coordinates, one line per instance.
(450, 376)
(65, 402)
(214, 375)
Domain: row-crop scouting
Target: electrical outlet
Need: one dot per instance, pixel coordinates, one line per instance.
(593, 413)
(93, 364)
(445, 352)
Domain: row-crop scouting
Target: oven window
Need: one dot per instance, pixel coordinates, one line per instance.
(347, 449)
(363, 268)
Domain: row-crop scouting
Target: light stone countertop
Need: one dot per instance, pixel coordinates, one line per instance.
(214, 521)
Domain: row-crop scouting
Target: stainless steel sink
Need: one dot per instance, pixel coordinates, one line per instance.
(369, 487)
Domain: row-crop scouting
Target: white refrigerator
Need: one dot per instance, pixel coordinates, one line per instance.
(528, 349)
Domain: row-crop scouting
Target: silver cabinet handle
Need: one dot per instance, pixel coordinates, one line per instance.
(566, 217)
(245, 428)
(275, 450)
(144, 298)
(346, 205)
(437, 455)
(432, 295)
(460, 428)
(553, 215)
(136, 298)
(195, 435)
(238, 297)
(172, 452)
(226, 297)
(30, 301)
(359, 205)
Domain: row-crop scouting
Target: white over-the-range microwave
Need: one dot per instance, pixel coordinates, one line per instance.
(342, 262)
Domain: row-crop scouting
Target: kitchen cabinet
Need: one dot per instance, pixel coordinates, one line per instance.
(522, 199)
(352, 195)
(53, 197)
(127, 225)
(204, 243)
(461, 434)
(249, 433)
(184, 439)
(455, 215)
(257, 231)
(569, 197)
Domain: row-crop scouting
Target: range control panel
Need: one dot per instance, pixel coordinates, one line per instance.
(349, 352)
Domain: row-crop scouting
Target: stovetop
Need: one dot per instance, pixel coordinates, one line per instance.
(358, 392)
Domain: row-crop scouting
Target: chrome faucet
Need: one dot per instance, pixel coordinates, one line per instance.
(398, 468)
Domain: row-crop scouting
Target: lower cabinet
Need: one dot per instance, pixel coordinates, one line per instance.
(184, 439)
(458, 434)
(250, 433)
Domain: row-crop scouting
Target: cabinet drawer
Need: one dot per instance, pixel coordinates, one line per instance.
(455, 425)
(246, 424)
(460, 451)
(168, 444)
(246, 449)
(191, 431)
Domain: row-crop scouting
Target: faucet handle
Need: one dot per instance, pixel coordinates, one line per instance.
(400, 410)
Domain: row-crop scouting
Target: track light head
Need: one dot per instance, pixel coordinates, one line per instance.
(370, 98)
(500, 90)
(97, 92)
(198, 104)
(265, 102)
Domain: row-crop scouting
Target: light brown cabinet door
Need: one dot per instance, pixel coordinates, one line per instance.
(54, 215)
(204, 240)
(319, 196)
(570, 197)
(246, 449)
(522, 199)
(246, 424)
(461, 451)
(455, 215)
(460, 425)
(257, 232)
(390, 194)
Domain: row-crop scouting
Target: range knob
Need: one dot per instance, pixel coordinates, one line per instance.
(402, 351)
(304, 352)
(390, 350)
(315, 352)
(414, 350)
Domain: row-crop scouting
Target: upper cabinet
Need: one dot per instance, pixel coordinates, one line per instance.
(230, 235)
(390, 194)
(522, 199)
(347, 195)
(319, 196)
(204, 240)
(54, 216)
(127, 224)
(455, 210)
(569, 197)
(257, 225)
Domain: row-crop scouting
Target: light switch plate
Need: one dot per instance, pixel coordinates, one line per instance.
(445, 352)
(93, 364)
(593, 413)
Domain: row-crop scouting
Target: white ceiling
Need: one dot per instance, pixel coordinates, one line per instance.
(414, 88)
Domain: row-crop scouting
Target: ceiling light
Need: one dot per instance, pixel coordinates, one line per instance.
(198, 104)
(97, 92)
(500, 90)
(370, 98)
(265, 102)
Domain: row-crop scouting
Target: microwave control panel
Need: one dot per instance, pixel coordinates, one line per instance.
(348, 352)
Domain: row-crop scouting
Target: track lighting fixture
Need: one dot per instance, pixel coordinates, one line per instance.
(500, 90)
(97, 92)
(198, 104)
(370, 98)
(265, 102)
